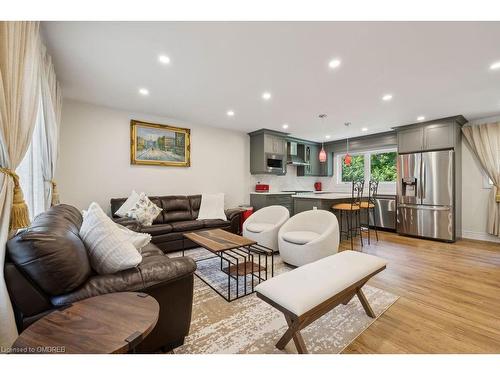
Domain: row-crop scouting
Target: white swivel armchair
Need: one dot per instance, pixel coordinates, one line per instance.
(263, 225)
(308, 236)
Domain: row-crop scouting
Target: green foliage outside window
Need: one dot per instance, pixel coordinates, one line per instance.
(355, 171)
(383, 166)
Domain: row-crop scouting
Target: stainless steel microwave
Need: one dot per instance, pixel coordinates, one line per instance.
(275, 163)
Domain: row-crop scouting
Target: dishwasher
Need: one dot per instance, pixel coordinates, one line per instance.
(385, 211)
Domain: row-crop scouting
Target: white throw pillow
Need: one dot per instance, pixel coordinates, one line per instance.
(128, 204)
(144, 211)
(139, 240)
(110, 250)
(212, 207)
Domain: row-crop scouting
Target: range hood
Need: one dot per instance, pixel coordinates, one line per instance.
(293, 157)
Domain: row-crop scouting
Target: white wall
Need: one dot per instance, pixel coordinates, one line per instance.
(94, 161)
(474, 197)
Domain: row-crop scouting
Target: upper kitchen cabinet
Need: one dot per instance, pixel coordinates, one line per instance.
(267, 152)
(410, 139)
(271, 150)
(274, 144)
(431, 135)
(439, 136)
(313, 166)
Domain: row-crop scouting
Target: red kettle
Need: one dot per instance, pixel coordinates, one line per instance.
(317, 186)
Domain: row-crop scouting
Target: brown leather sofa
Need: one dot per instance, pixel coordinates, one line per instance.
(178, 216)
(47, 267)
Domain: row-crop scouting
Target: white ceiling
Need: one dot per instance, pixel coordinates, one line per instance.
(431, 69)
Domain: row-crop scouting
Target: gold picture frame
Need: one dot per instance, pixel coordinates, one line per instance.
(156, 144)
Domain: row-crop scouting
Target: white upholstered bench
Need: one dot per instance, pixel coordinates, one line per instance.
(309, 292)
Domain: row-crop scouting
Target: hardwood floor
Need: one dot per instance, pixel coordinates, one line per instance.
(449, 297)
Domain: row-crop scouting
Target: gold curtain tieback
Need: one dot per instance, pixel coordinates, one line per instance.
(10, 173)
(497, 197)
(52, 182)
(19, 216)
(55, 193)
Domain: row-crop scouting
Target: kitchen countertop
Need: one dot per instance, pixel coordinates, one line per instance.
(337, 196)
(324, 196)
(319, 195)
(291, 193)
(272, 193)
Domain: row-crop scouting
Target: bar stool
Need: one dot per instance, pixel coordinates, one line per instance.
(352, 212)
(368, 206)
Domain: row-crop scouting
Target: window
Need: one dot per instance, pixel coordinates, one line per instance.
(383, 166)
(30, 171)
(487, 183)
(355, 171)
(377, 165)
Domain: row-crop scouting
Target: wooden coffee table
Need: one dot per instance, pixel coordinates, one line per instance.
(110, 323)
(240, 257)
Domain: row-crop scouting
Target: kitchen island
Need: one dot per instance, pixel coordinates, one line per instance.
(259, 200)
(385, 204)
(305, 202)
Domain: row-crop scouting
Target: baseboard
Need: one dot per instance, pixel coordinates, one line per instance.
(481, 236)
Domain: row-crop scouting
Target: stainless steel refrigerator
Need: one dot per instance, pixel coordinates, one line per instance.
(426, 195)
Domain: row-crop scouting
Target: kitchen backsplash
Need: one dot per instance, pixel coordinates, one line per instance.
(290, 181)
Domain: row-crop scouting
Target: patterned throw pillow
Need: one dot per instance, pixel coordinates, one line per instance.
(144, 211)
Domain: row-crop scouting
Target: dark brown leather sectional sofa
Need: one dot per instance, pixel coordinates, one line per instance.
(47, 267)
(178, 216)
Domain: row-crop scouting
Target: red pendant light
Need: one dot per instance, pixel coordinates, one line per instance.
(347, 160)
(347, 157)
(322, 155)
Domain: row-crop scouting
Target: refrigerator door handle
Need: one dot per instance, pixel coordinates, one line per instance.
(422, 207)
(423, 181)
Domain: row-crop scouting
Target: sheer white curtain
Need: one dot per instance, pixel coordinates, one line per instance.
(36, 171)
(484, 140)
(19, 99)
(30, 171)
(51, 99)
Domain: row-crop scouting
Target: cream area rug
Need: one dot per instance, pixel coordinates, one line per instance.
(249, 325)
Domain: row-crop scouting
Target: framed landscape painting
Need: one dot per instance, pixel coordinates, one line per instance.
(155, 144)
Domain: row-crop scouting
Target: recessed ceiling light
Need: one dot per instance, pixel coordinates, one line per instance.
(164, 59)
(387, 97)
(364, 129)
(495, 65)
(285, 126)
(144, 91)
(327, 136)
(420, 118)
(335, 63)
(230, 113)
(266, 95)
